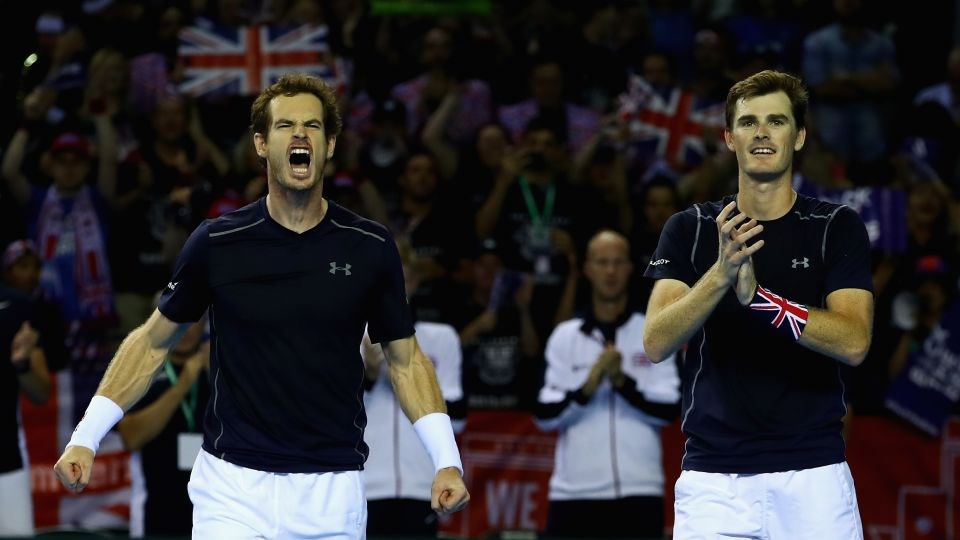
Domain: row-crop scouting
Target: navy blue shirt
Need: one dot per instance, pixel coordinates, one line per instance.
(753, 401)
(287, 313)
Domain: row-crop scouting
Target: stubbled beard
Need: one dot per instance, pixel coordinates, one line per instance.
(297, 186)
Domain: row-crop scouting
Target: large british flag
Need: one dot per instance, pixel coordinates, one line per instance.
(245, 60)
(669, 124)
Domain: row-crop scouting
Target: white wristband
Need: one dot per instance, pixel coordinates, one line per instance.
(436, 434)
(102, 414)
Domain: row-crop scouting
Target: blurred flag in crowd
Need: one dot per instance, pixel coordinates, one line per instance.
(245, 60)
(671, 124)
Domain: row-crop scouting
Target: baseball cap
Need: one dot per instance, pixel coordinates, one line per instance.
(71, 142)
(17, 249)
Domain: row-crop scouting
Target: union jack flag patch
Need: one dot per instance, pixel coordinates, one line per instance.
(783, 310)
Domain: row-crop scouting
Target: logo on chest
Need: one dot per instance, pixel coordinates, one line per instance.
(345, 268)
(800, 263)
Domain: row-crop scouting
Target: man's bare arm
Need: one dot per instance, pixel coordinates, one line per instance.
(844, 330)
(137, 360)
(414, 379)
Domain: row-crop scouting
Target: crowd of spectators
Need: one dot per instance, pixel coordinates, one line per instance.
(495, 144)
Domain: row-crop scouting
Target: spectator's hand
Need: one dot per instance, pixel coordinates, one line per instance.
(68, 45)
(563, 244)
(23, 344)
(614, 363)
(198, 363)
(74, 467)
(448, 493)
(486, 321)
(514, 161)
(524, 294)
(38, 102)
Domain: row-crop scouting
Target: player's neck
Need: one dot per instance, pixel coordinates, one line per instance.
(297, 211)
(608, 309)
(765, 201)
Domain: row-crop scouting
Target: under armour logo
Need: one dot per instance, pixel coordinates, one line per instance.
(805, 263)
(345, 268)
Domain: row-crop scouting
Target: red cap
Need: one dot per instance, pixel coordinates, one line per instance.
(71, 142)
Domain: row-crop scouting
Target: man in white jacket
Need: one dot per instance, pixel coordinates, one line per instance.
(608, 402)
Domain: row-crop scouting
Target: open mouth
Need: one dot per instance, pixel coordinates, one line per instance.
(300, 161)
(762, 151)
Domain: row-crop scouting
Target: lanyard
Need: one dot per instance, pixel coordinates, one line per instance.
(188, 409)
(535, 215)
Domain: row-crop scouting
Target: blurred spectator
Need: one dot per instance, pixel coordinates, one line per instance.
(608, 402)
(947, 93)
(931, 248)
(397, 473)
(444, 79)
(384, 148)
(658, 199)
(438, 234)
(711, 78)
(917, 311)
(22, 367)
(69, 218)
(672, 29)
(537, 220)
(598, 69)
(500, 343)
(547, 100)
(20, 267)
(164, 430)
(478, 166)
(767, 27)
(852, 70)
(186, 167)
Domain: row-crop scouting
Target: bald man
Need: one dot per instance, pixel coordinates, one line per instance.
(607, 401)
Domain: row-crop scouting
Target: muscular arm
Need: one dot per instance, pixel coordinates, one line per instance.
(843, 330)
(138, 358)
(675, 311)
(414, 379)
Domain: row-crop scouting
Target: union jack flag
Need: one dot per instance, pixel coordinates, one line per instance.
(245, 60)
(669, 124)
(795, 314)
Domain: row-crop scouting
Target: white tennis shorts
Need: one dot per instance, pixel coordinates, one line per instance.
(809, 504)
(16, 505)
(234, 502)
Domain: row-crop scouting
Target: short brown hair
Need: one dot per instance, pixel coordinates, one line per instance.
(291, 85)
(768, 82)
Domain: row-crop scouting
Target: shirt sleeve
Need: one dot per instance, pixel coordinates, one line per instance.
(187, 295)
(390, 318)
(671, 260)
(847, 253)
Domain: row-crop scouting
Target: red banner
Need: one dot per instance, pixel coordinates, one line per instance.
(906, 481)
(105, 503)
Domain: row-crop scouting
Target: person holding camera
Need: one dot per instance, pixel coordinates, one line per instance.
(538, 221)
(500, 343)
